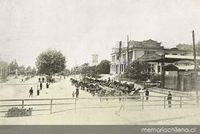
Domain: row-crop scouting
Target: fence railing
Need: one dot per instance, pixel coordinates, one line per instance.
(48, 104)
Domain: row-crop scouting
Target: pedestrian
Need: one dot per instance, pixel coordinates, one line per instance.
(109, 80)
(169, 99)
(40, 85)
(47, 85)
(120, 94)
(42, 79)
(31, 92)
(73, 94)
(147, 94)
(38, 92)
(93, 93)
(77, 92)
(39, 79)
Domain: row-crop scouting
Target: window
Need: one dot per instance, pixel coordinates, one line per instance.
(113, 58)
(121, 68)
(124, 57)
(124, 67)
(158, 69)
(131, 55)
(152, 68)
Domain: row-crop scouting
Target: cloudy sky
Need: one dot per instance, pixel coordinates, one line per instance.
(80, 28)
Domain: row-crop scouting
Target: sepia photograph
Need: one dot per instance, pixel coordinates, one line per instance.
(101, 62)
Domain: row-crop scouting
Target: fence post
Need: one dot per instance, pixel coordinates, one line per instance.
(51, 108)
(22, 103)
(164, 102)
(180, 101)
(75, 105)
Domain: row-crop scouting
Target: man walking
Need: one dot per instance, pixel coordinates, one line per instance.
(40, 85)
(147, 94)
(38, 92)
(42, 79)
(169, 99)
(73, 94)
(31, 92)
(47, 85)
(77, 92)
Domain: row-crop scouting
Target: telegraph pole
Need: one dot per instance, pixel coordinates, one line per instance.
(120, 50)
(195, 66)
(127, 51)
(194, 52)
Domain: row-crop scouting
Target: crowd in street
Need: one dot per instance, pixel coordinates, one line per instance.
(101, 88)
(105, 88)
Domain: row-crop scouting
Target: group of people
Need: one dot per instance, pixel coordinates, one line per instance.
(76, 93)
(109, 87)
(39, 87)
(169, 97)
(104, 88)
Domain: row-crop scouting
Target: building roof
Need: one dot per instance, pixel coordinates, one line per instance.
(182, 57)
(145, 44)
(172, 67)
(166, 58)
(150, 57)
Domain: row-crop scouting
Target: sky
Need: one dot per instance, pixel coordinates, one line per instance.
(80, 28)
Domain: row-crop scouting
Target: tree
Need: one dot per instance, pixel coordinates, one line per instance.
(13, 66)
(3, 64)
(50, 62)
(22, 70)
(4, 70)
(138, 71)
(103, 67)
(33, 71)
(28, 70)
(85, 69)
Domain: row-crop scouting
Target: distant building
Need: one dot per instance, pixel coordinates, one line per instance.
(189, 48)
(94, 59)
(122, 56)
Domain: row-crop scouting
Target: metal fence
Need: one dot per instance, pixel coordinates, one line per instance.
(53, 105)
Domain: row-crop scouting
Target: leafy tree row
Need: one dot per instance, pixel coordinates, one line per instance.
(22, 70)
(85, 69)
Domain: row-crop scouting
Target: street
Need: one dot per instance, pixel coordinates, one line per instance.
(91, 110)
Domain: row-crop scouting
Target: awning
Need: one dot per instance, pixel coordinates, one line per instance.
(166, 58)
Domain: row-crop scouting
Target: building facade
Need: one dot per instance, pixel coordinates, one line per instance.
(94, 59)
(122, 56)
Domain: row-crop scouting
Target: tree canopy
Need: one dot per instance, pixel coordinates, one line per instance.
(50, 62)
(138, 71)
(103, 67)
(13, 66)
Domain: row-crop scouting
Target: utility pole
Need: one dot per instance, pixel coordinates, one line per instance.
(194, 52)
(120, 52)
(127, 51)
(195, 66)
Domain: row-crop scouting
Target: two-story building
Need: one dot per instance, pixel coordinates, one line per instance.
(122, 55)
